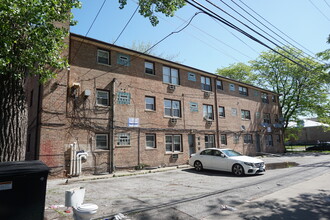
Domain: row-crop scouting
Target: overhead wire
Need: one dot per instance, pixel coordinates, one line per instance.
(258, 33)
(319, 10)
(327, 3)
(226, 22)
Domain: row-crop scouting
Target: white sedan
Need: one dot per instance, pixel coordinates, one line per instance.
(226, 160)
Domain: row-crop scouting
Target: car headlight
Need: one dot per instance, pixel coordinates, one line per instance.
(249, 164)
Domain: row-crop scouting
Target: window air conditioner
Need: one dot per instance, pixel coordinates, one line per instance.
(206, 94)
(171, 87)
(173, 120)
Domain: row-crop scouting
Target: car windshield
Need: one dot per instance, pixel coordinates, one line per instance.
(231, 153)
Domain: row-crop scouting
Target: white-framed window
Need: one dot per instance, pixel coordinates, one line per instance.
(243, 90)
(223, 139)
(234, 111)
(151, 140)
(245, 114)
(209, 141)
(173, 143)
(267, 118)
(149, 67)
(208, 112)
(150, 103)
(101, 141)
(102, 97)
(170, 75)
(206, 83)
(219, 85)
(264, 97)
(269, 140)
(103, 57)
(236, 138)
(123, 139)
(248, 139)
(222, 112)
(172, 108)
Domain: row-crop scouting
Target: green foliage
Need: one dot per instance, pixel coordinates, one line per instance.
(149, 8)
(238, 71)
(31, 38)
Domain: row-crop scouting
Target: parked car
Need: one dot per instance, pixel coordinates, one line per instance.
(226, 160)
(321, 147)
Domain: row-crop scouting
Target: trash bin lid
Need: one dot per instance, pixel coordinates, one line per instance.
(18, 168)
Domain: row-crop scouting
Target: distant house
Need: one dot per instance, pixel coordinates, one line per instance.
(311, 132)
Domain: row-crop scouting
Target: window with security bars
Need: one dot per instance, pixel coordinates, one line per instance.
(206, 83)
(102, 97)
(103, 57)
(173, 143)
(123, 139)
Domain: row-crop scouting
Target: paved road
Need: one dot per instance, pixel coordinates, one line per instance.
(187, 194)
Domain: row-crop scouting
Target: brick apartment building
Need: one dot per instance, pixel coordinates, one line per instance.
(126, 108)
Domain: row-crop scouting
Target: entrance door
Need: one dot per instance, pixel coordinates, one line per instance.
(191, 142)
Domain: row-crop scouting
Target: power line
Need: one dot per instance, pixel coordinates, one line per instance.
(327, 3)
(126, 24)
(221, 19)
(319, 10)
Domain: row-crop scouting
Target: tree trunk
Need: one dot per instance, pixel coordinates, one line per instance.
(13, 118)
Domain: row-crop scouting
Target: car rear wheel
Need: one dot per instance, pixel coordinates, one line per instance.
(198, 165)
(238, 170)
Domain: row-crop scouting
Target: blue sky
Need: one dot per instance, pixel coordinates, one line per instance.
(207, 44)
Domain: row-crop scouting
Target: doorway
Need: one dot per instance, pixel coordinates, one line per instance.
(191, 142)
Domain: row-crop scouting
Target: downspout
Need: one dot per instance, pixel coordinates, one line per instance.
(139, 158)
(216, 112)
(112, 126)
(38, 126)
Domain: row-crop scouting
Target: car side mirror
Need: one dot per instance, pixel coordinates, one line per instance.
(223, 156)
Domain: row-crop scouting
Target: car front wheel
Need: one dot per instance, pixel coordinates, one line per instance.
(238, 170)
(198, 166)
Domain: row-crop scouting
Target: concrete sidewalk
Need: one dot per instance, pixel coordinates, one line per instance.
(306, 200)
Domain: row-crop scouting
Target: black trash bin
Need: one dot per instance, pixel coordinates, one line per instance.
(23, 190)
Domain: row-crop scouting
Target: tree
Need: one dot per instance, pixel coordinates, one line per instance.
(238, 71)
(302, 87)
(32, 39)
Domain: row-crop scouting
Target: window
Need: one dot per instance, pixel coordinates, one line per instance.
(248, 139)
(102, 141)
(206, 83)
(102, 98)
(173, 143)
(267, 118)
(208, 112)
(278, 138)
(236, 138)
(124, 139)
(234, 112)
(276, 118)
(274, 98)
(264, 97)
(170, 75)
(232, 87)
(256, 93)
(258, 115)
(150, 103)
(192, 76)
(219, 85)
(172, 108)
(103, 57)
(269, 140)
(245, 114)
(123, 59)
(209, 141)
(224, 139)
(123, 98)
(243, 90)
(222, 111)
(149, 68)
(193, 106)
(150, 140)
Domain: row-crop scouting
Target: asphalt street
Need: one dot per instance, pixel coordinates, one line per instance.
(295, 192)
